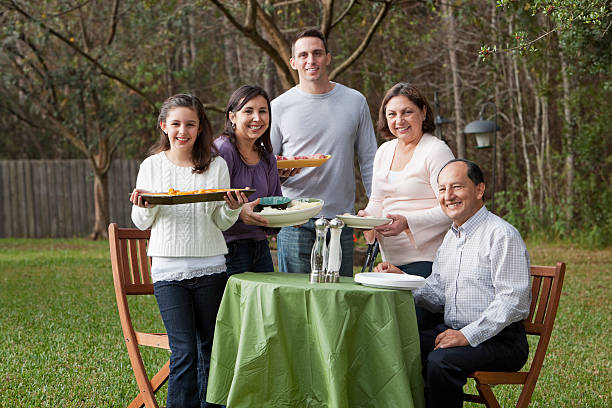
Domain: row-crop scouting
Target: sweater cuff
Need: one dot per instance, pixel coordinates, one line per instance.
(230, 212)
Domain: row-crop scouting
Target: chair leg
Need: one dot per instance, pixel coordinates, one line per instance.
(487, 394)
(137, 402)
(157, 382)
(161, 377)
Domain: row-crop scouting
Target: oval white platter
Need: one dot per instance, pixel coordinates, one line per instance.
(355, 221)
(390, 280)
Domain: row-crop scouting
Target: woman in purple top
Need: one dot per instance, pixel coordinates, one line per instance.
(245, 145)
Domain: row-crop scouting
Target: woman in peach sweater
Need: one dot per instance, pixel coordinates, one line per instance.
(404, 183)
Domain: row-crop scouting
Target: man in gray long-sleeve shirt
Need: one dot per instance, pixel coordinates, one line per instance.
(319, 116)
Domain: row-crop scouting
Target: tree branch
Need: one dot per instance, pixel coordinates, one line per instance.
(286, 3)
(88, 57)
(364, 43)
(343, 14)
(281, 65)
(283, 48)
(213, 107)
(328, 12)
(113, 23)
(251, 15)
(86, 41)
(21, 117)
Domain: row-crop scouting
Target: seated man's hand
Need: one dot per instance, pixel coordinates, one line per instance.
(386, 267)
(450, 338)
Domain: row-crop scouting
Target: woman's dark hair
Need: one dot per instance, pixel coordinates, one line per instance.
(203, 149)
(415, 96)
(474, 172)
(239, 98)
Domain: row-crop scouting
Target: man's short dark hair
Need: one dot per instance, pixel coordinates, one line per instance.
(474, 172)
(309, 32)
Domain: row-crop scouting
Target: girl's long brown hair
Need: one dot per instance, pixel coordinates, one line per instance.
(203, 150)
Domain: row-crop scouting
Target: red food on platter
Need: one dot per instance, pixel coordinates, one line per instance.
(313, 160)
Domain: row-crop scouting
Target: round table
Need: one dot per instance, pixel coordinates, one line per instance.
(281, 341)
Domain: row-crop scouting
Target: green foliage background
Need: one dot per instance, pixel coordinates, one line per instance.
(164, 47)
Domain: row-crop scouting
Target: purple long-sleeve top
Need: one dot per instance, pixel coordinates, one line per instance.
(262, 176)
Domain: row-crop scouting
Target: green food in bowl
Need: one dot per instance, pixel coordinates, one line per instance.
(278, 202)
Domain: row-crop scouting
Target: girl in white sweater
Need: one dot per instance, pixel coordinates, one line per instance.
(187, 245)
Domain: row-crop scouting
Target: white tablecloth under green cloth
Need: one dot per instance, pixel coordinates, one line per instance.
(283, 342)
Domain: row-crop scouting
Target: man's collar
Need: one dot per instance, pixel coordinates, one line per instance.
(324, 89)
(472, 223)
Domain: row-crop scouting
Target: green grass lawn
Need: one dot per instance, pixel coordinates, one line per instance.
(63, 346)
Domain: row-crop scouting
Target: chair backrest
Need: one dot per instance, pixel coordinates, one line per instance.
(131, 265)
(132, 276)
(131, 271)
(546, 285)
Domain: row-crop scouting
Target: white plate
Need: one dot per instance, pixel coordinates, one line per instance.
(289, 217)
(355, 221)
(390, 280)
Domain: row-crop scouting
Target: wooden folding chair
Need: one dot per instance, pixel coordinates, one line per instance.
(131, 276)
(545, 293)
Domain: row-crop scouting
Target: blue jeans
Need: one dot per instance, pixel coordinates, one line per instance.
(295, 245)
(425, 318)
(248, 255)
(189, 310)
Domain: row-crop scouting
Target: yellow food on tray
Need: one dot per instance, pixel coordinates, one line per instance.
(174, 192)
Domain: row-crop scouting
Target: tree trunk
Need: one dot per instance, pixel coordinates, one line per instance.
(193, 48)
(569, 141)
(519, 112)
(499, 158)
(449, 20)
(535, 137)
(536, 146)
(270, 74)
(513, 155)
(101, 204)
(230, 54)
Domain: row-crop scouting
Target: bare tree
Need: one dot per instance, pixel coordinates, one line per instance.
(68, 100)
(450, 37)
(259, 26)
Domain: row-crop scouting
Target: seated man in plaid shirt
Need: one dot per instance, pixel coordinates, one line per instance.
(480, 279)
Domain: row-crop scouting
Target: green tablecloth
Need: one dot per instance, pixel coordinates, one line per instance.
(283, 342)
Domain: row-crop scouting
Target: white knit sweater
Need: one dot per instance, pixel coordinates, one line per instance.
(192, 230)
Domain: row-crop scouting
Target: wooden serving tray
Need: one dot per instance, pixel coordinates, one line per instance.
(298, 163)
(166, 199)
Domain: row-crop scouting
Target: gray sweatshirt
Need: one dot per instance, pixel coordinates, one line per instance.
(336, 123)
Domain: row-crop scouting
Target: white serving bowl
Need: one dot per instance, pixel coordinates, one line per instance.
(290, 217)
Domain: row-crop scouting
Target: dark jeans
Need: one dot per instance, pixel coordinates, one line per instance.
(189, 310)
(445, 370)
(248, 255)
(295, 245)
(425, 318)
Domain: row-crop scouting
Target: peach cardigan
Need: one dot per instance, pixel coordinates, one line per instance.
(412, 194)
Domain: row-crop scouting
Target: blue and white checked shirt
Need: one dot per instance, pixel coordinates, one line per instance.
(480, 278)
